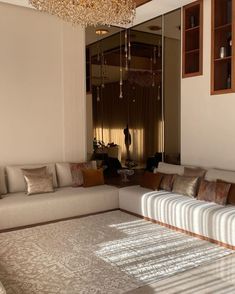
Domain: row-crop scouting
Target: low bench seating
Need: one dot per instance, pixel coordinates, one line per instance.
(18, 209)
(214, 222)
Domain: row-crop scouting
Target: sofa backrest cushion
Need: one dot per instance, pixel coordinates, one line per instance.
(219, 174)
(64, 174)
(3, 186)
(16, 182)
(167, 168)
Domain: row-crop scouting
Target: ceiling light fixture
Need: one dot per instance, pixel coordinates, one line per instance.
(89, 12)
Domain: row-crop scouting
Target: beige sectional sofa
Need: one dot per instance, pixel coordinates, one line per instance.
(209, 220)
(18, 210)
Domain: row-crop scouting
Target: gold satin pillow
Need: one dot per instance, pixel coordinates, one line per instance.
(92, 177)
(39, 184)
(185, 185)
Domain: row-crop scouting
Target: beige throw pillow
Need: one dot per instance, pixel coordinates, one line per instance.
(185, 185)
(39, 184)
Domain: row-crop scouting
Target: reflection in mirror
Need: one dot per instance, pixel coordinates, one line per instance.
(125, 81)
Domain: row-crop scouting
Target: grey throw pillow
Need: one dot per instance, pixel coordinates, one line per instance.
(185, 185)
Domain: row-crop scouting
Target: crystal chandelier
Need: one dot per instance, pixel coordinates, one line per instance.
(89, 12)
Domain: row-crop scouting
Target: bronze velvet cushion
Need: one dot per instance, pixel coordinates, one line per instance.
(207, 191)
(194, 172)
(185, 185)
(167, 182)
(92, 177)
(151, 181)
(40, 171)
(214, 191)
(39, 184)
(222, 192)
(76, 171)
(231, 194)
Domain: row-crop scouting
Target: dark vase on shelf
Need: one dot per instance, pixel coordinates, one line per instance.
(192, 21)
(229, 81)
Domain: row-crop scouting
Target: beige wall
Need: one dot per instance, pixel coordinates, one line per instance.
(42, 88)
(208, 122)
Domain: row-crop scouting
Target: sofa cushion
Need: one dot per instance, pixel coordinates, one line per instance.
(231, 194)
(167, 182)
(207, 191)
(185, 185)
(222, 192)
(219, 174)
(92, 177)
(3, 186)
(167, 168)
(39, 184)
(16, 182)
(18, 209)
(64, 174)
(216, 192)
(40, 171)
(151, 180)
(194, 172)
(203, 218)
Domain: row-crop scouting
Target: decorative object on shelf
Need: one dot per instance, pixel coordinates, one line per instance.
(192, 21)
(125, 173)
(223, 52)
(229, 44)
(89, 12)
(229, 81)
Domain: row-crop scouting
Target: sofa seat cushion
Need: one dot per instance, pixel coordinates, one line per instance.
(206, 219)
(18, 209)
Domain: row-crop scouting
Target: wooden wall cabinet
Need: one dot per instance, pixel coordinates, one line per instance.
(192, 39)
(222, 51)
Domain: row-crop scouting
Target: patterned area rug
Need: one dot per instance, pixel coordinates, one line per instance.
(108, 253)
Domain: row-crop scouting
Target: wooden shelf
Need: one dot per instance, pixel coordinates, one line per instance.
(192, 51)
(223, 59)
(192, 39)
(222, 27)
(222, 69)
(192, 29)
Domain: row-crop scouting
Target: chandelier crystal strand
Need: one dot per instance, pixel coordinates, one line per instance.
(121, 70)
(89, 12)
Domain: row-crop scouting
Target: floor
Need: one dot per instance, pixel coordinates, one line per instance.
(217, 278)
